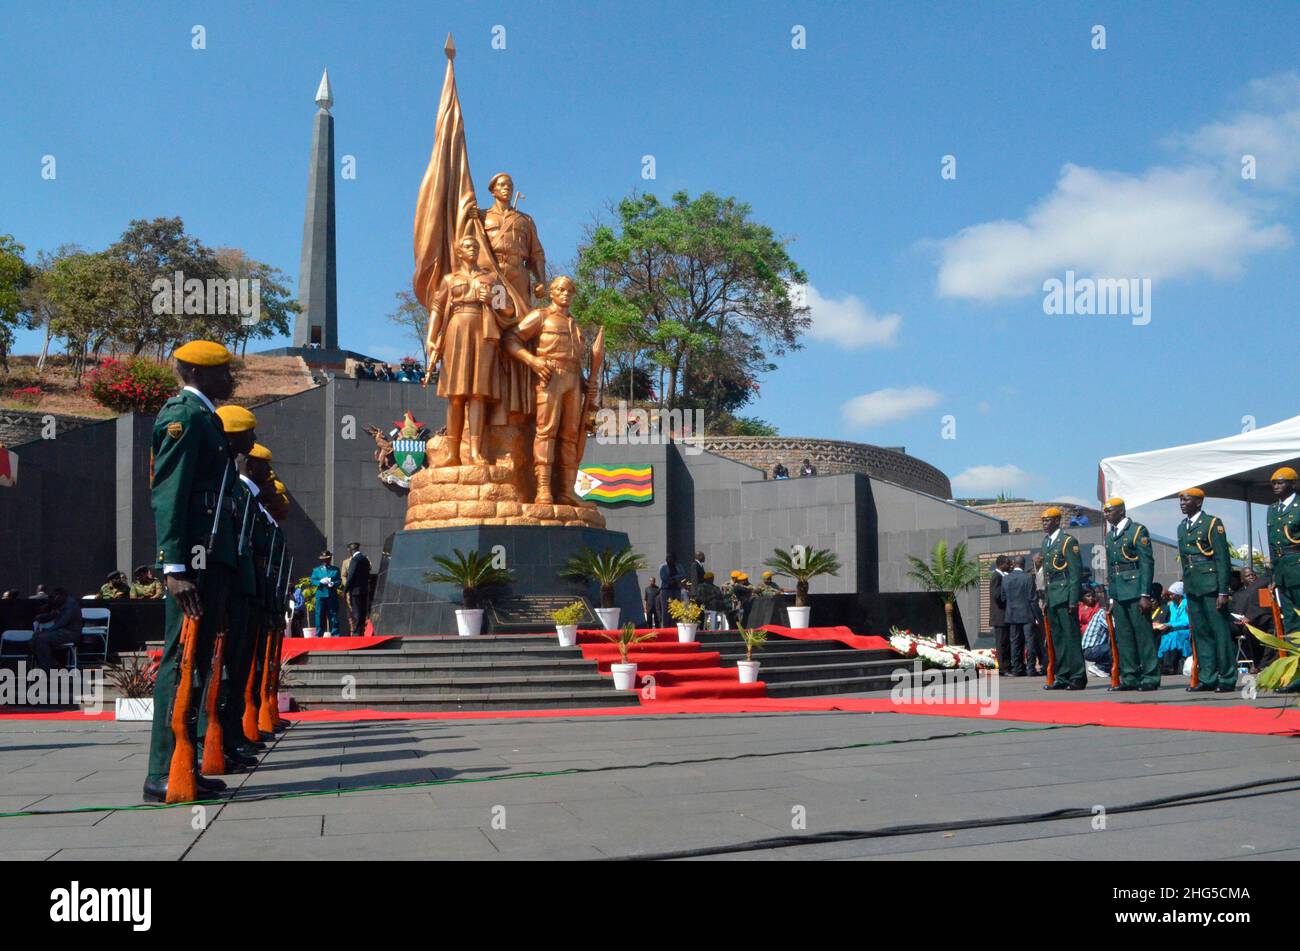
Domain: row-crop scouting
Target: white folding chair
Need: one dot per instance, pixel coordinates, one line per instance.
(94, 626)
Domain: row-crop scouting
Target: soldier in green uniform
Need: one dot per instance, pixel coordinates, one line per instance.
(1284, 547)
(191, 465)
(1064, 576)
(1206, 561)
(241, 430)
(1130, 568)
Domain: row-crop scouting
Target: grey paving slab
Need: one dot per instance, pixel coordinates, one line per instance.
(704, 791)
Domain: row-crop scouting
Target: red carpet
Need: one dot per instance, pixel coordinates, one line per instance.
(297, 646)
(679, 671)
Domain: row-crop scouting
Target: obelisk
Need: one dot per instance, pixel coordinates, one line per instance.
(317, 323)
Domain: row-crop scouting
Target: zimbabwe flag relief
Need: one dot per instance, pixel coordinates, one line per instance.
(612, 484)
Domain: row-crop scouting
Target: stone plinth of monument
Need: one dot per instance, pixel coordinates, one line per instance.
(406, 604)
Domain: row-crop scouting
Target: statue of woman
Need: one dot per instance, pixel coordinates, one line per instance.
(464, 334)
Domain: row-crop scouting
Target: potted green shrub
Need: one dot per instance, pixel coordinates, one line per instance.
(133, 677)
(754, 639)
(606, 568)
(802, 564)
(625, 672)
(687, 615)
(566, 622)
(473, 572)
(308, 590)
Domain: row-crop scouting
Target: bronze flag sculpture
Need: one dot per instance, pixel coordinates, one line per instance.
(511, 368)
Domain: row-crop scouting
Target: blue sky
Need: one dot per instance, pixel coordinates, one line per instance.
(1122, 162)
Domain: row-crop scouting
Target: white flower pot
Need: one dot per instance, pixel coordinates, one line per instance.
(134, 708)
(309, 632)
(608, 617)
(686, 633)
(283, 701)
(469, 622)
(624, 676)
(567, 633)
(798, 616)
(748, 671)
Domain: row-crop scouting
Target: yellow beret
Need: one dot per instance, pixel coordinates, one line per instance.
(1052, 512)
(1195, 493)
(236, 419)
(708, 576)
(1286, 472)
(735, 574)
(203, 353)
(767, 574)
(742, 577)
(279, 487)
(1114, 502)
(259, 452)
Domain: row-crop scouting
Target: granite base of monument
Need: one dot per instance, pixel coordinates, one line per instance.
(406, 604)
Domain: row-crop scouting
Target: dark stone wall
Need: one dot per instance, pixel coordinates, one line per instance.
(59, 522)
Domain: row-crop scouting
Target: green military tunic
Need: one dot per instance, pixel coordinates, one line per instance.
(1064, 576)
(1206, 561)
(1284, 555)
(245, 620)
(1130, 569)
(190, 461)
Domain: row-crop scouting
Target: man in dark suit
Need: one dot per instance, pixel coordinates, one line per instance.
(670, 586)
(695, 574)
(1018, 593)
(998, 612)
(357, 588)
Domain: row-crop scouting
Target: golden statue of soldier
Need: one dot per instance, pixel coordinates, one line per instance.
(561, 395)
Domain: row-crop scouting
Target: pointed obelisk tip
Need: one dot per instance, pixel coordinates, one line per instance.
(324, 95)
(450, 47)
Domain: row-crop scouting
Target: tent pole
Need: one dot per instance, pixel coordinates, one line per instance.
(1250, 535)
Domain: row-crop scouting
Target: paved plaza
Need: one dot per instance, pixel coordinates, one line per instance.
(647, 785)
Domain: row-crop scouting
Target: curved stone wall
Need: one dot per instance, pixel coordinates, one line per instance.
(832, 456)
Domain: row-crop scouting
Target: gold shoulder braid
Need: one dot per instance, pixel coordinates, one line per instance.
(1286, 530)
(1208, 537)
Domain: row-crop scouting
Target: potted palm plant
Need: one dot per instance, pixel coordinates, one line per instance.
(625, 672)
(754, 639)
(308, 591)
(606, 568)
(566, 622)
(802, 564)
(472, 572)
(687, 615)
(133, 677)
(948, 573)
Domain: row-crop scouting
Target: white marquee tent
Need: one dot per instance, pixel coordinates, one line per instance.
(1235, 467)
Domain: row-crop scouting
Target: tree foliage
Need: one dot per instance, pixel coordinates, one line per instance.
(696, 292)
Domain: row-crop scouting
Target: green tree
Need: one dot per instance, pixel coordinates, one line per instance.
(15, 277)
(156, 250)
(411, 316)
(89, 302)
(276, 305)
(695, 271)
(947, 573)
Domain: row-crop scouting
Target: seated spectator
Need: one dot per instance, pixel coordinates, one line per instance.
(55, 628)
(780, 472)
(807, 469)
(146, 586)
(40, 594)
(1096, 635)
(1176, 637)
(768, 587)
(115, 588)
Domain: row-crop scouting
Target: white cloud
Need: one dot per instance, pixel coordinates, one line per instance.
(1269, 130)
(1164, 223)
(990, 480)
(1194, 216)
(887, 405)
(848, 321)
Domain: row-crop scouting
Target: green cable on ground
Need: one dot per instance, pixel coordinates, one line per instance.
(538, 774)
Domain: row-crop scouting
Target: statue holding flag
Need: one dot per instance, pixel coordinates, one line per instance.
(515, 422)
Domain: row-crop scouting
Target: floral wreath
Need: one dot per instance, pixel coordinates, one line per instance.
(936, 654)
